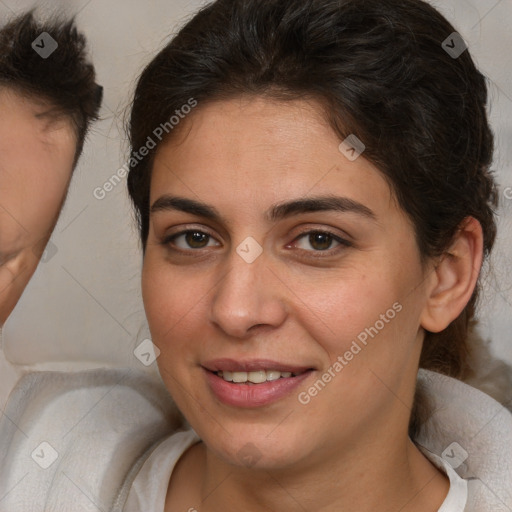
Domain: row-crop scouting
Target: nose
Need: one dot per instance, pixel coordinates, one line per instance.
(249, 295)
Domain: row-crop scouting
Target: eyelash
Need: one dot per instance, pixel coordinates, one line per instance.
(167, 242)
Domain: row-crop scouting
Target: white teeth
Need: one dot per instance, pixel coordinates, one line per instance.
(256, 377)
(239, 376)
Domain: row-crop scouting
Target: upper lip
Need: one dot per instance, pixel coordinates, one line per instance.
(232, 365)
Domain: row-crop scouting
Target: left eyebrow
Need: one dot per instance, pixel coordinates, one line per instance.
(319, 204)
(276, 212)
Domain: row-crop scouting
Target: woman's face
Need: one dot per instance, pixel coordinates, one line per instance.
(245, 274)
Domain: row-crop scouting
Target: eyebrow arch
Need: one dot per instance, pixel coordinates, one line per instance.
(276, 212)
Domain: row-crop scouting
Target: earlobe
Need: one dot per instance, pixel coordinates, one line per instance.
(454, 278)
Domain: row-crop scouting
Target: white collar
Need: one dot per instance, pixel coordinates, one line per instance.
(473, 433)
(457, 497)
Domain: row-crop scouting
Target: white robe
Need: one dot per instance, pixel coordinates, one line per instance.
(77, 441)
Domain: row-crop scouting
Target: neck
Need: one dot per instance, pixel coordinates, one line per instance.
(339, 482)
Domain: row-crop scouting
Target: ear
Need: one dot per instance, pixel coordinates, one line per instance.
(454, 278)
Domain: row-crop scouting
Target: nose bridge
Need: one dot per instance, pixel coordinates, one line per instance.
(248, 294)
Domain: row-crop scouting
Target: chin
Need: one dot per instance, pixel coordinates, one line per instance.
(254, 448)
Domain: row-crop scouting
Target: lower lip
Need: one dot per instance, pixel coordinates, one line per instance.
(253, 395)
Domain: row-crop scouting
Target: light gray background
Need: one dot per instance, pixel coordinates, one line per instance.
(83, 307)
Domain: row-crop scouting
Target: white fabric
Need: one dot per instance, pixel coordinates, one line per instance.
(467, 421)
(98, 423)
(457, 496)
(113, 433)
(149, 489)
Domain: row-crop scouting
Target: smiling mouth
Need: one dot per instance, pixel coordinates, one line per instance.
(255, 383)
(256, 377)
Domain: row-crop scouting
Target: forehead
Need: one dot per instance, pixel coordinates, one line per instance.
(246, 123)
(28, 122)
(36, 113)
(225, 151)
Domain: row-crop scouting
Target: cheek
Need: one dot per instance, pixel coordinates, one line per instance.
(172, 300)
(157, 298)
(339, 308)
(369, 319)
(46, 206)
(34, 190)
(175, 320)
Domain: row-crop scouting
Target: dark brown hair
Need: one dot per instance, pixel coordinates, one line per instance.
(379, 71)
(66, 79)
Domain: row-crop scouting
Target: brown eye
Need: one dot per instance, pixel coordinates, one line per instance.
(196, 239)
(193, 239)
(320, 241)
